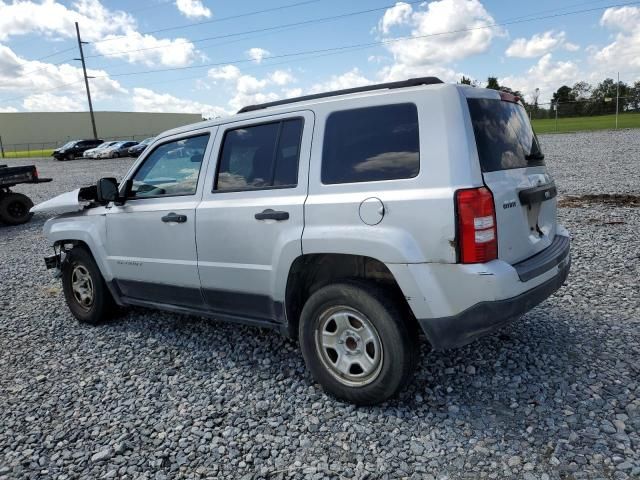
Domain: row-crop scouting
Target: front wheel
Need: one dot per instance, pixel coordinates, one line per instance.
(357, 343)
(84, 288)
(71, 156)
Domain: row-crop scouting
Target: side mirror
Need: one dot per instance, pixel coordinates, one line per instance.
(107, 190)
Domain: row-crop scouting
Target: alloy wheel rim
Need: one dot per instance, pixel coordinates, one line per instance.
(349, 346)
(82, 286)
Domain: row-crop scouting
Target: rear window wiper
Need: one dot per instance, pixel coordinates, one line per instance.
(534, 156)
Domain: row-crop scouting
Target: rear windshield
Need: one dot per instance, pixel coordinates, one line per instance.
(504, 136)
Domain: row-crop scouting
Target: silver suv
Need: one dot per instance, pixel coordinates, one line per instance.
(351, 220)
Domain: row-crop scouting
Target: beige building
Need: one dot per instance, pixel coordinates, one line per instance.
(33, 130)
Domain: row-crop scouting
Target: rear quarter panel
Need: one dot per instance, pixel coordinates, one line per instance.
(419, 221)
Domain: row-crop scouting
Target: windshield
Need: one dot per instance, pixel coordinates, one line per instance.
(68, 144)
(504, 136)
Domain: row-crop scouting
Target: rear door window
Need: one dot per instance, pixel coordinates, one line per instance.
(504, 136)
(371, 144)
(260, 156)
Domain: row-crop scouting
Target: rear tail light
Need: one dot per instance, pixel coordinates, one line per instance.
(477, 233)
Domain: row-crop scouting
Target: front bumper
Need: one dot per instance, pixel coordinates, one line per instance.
(486, 317)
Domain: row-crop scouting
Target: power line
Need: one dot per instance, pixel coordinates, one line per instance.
(57, 87)
(341, 49)
(215, 20)
(371, 44)
(263, 34)
(48, 65)
(336, 17)
(258, 30)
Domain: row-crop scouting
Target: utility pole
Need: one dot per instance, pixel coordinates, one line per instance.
(617, 98)
(86, 81)
(556, 105)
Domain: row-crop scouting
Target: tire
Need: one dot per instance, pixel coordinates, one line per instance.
(79, 267)
(376, 347)
(14, 208)
(70, 156)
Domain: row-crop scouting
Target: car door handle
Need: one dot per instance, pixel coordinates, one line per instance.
(270, 214)
(174, 218)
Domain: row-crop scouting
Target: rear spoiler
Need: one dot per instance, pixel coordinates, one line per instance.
(509, 97)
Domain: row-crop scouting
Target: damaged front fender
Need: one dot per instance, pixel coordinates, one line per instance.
(73, 201)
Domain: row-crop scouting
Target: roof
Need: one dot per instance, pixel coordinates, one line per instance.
(280, 106)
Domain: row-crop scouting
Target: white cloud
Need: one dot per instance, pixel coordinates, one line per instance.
(146, 100)
(292, 92)
(48, 102)
(249, 90)
(398, 14)
(8, 109)
(228, 72)
(54, 19)
(352, 78)
(32, 77)
(624, 52)
(281, 77)
(547, 75)
(623, 18)
(403, 71)
(257, 54)
(539, 44)
(430, 23)
(193, 8)
(135, 47)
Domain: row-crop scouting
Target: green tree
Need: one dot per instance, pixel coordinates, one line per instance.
(492, 83)
(604, 96)
(634, 96)
(465, 80)
(582, 90)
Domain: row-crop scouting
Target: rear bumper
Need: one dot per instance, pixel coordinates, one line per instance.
(457, 303)
(486, 317)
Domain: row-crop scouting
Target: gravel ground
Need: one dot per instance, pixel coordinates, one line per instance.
(158, 395)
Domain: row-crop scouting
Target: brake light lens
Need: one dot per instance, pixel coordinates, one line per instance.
(477, 233)
(509, 97)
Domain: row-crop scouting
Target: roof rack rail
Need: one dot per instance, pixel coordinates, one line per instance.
(412, 82)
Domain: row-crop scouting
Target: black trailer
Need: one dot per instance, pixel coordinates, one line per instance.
(14, 206)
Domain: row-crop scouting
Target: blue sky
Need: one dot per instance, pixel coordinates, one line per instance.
(228, 54)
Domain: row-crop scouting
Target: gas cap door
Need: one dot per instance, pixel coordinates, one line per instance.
(372, 211)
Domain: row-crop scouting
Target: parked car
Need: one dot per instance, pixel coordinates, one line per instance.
(350, 220)
(123, 150)
(136, 150)
(114, 150)
(91, 153)
(74, 149)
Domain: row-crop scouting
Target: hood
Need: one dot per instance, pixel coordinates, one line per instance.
(65, 203)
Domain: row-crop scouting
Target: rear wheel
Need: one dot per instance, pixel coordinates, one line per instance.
(84, 288)
(14, 208)
(356, 342)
